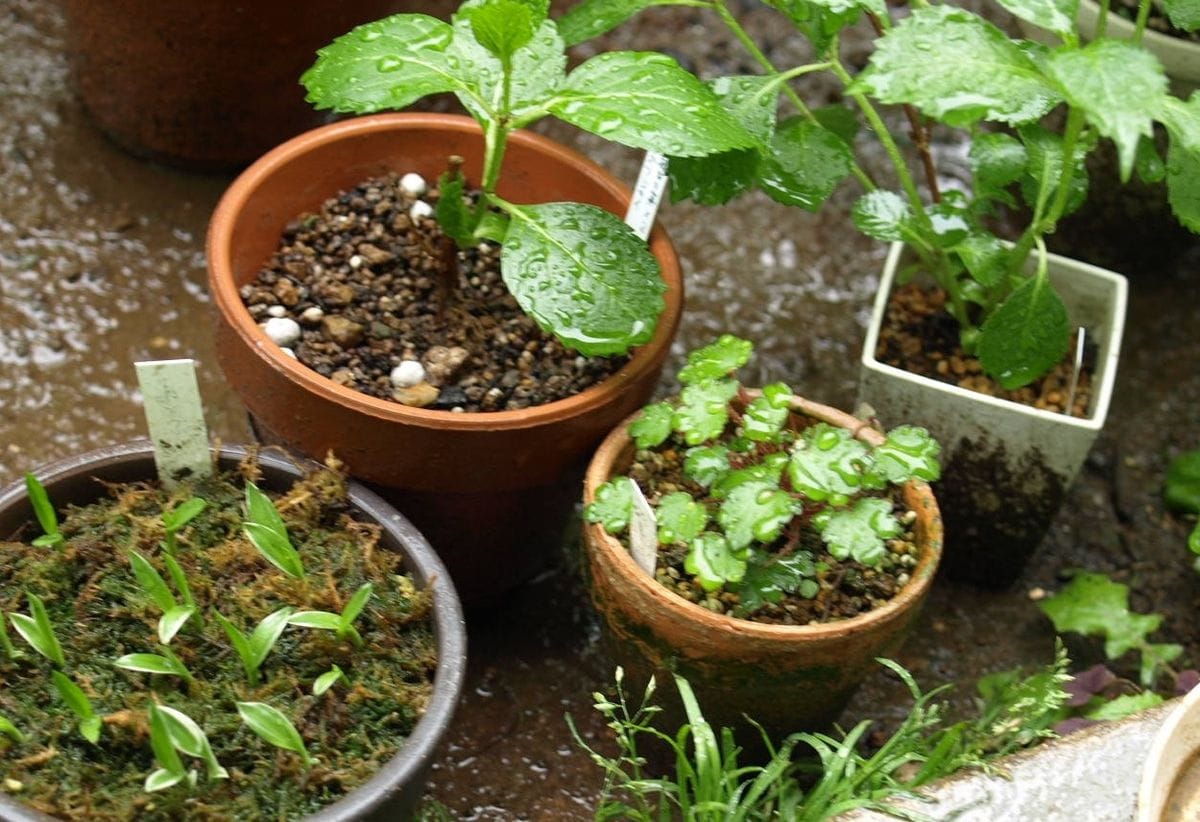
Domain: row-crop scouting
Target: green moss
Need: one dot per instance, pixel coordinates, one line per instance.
(100, 613)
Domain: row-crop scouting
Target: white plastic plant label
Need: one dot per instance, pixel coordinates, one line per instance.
(175, 417)
(643, 532)
(647, 194)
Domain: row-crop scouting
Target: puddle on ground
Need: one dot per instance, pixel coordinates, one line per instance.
(101, 264)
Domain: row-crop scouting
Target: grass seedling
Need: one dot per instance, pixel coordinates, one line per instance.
(266, 531)
(89, 723)
(187, 737)
(7, 728)
(342, 623)
(38, 631)
(170, 771)
(5, 642)
(174, 520)
(326, 680)
(174, 615)
(253, 649)
(168, 664)
(44, 511)
(272, 725)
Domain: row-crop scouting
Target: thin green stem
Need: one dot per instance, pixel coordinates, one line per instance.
(1140, 26)
(495, 142)
(1102, 20)
(1044, 222)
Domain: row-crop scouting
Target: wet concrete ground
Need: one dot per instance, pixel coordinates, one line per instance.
(101, 265)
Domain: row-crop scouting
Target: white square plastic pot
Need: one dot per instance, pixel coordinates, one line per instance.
(1006, 466)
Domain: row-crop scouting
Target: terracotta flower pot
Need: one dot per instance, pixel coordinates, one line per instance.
(204, 85)
(491, 491)
(393, 793)
(787, 678)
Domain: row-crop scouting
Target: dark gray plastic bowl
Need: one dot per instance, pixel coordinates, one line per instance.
(394, 792)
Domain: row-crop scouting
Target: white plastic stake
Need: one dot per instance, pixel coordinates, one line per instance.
(175, 417)
(643, 532)
(647, 194)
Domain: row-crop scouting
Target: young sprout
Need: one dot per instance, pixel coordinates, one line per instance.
(326, 680)
(77, 701)
(167, 664)
(174, 520)
(170, 771)
(38, 631)
(271, 724)
(10, 730)
(268, 534)
(44, 511)
(174, 615)
(342, 623)
(187, 737)
(253, 649)
(5, 642)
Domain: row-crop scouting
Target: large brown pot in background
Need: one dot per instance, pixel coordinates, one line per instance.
(492, 491)
(209, 84)
(787, 678)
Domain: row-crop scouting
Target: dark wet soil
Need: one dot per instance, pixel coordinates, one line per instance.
(101, 264)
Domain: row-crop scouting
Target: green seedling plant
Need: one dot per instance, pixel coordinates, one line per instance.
(90, 724)
(272, 725)
(342, 624)
(252, 650)
(7, 728)
(757, 485)
(267, 532)
(38, 631)
(577, 270)
(1182, 493)
(173, 732)
(950, 68)
(175, 519)
(167, 663)
(43, 510)
(6, 645)
(327, 680)
(174, 615)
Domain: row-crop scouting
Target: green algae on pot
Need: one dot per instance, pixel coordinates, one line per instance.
(786, 676)
(371, 734)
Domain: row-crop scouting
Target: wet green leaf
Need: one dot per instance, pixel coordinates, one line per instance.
(1057, 16)
(1184, 14)
(502, 26)
(820, 20)
(1092, 604)
(766, 416)
(706, 464)
(188, 737)
(43, 510)
(883, 215)
(997, 161)
(717, 359)
(1026, 335)
(1183, 184)
(804, 164)
(327, 680)
(320, 620)
(453, 213)
(172, 770)
(1124, 705)
(591, 18)
(266, 531)
(653, 425)
(151, 582)
(769, 470)
(171, 621)
(713, 562)
(1149, 166)
(77, 701)
(985, 258)
(909, 452)
(613, 505)
(827, 464)
(680, 518)
(536, 71)
(38, 631)
(755, 512)
(703, 410)
(185, 513)
(770, 578)
(840, 119)
(1044, 150)
(1182, 488)
(153, 664)
(859, 532)
(583, 275)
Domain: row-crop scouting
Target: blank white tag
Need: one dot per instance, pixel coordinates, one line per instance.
(175, 417)
(647, 194)
(643, 531)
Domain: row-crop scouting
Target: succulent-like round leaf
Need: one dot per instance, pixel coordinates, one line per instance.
(680, 518)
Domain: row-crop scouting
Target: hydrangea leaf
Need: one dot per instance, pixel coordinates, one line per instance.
(820, 20)
(653, 425)
(755, 512)
(909, 452)
(1183, 14)
(1182, 488)
(765, 416)
(804, 164)
(591, 18)
(502, 26)
(703, 410)
(680, 518)
(883, 215)
(705, 464)
(1026, 335)
(1183, 184)
(859, 532)
(583, 275)
(1057, 16)
(997, 161)
(711, 559)
(1044, 168)
(613, 505)
(957, 68)
(985, 258)
(827, 464)
(538, 68)
(840, 119)
(717, 359)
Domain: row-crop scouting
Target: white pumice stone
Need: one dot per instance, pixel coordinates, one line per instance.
(413, 184)
(356, 261)
(289, 352)
(420, 209)
(407, 374)
(312, 315)
(277, 311)
(283, 331)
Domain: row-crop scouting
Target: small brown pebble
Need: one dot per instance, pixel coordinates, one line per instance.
(374, 255)
(336, 294)
(342, 331)
(418, 396)
(442, 362)
(286, 292)
(343, 376)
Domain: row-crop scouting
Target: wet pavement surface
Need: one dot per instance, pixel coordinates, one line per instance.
(101, 264)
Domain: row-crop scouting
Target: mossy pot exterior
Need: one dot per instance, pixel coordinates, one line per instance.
(492, 491)
(787, 678)
(394, 792)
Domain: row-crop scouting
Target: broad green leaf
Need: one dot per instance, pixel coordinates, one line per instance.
(755, 512)
(653, 425)
(164, 749)
(1023, 338)
(1044, 150)
(1124, 705)
(883, 215)
(765, 416)
(827, 464)
(712, 560)
(949, 222)
(1118, 86)
(174, 619)
(357, 602)
(1182, 120)
(1183, 184)
(273, 726)
(388, 64)
(453, 213)
(326, 680)
(613, 505)
(1182, 488)
(1092, 604)
(703, 410)
(1183, 14)
(840, 119)
(583, 275)
(680, 518)
(769, 470)
(321, 620)
(591, 18)
(150, 664)
(985, 258)
(804, 164)
(752, 99)
(267, 633)
(769, 579)
(719, 358)
(161, 779)
(185, 513)
(705, 464)
(1057, 16)
(10, 730)
(537, 70)
(820, 20)
(997, 161)
(38, 631)
(502, 26)
(43, 509)
(151, 582)
(1150, 167)
(645, 100)
(909, 452)
(859, 532)
(957, 68)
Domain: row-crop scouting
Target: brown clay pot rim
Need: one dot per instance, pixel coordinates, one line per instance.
(918, 495)
(228, 301)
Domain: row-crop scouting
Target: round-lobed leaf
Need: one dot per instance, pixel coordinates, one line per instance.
(716, 360)
(680, 518)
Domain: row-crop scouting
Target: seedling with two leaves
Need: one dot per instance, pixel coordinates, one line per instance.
(253, 649)
(268, 533)
(173, 732)
(753, 485)
(272, 725)
(343, 623)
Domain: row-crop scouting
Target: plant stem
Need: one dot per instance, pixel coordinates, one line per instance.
(1102, 20)
(1140, 26)
(1046, 223)
(495, 142)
